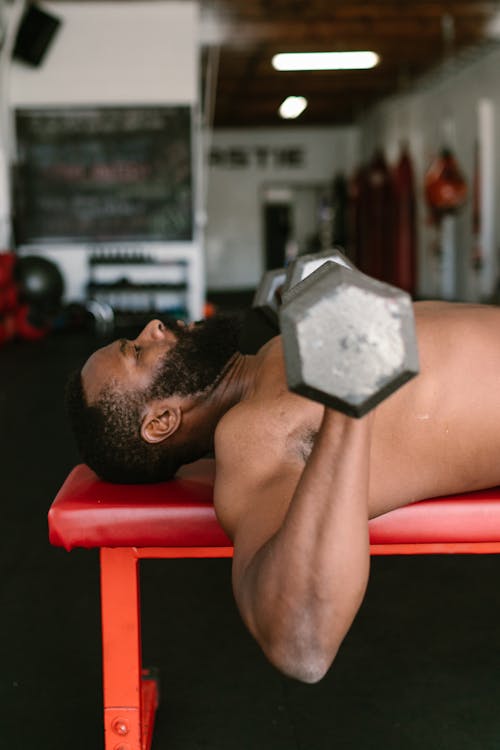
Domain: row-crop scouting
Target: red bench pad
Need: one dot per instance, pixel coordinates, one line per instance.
(90, 513)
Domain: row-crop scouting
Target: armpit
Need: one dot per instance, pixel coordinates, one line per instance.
(300, 443)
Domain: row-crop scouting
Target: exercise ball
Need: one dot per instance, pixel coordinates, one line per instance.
(40, 283)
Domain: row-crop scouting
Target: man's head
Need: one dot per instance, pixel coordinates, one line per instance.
(128, 403)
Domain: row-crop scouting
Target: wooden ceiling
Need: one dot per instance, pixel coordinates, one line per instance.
(411, 37)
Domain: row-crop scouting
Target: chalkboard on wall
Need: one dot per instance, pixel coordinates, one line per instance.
(103, 174)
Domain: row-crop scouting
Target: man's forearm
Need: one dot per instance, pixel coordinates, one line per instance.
(302, 589)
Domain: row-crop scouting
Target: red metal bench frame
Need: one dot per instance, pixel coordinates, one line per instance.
(176, 520)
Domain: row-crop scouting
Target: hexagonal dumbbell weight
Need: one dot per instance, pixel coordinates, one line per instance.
(268, 295)
(304, 265)
(349, 340)
(261, 321)
(275, 283)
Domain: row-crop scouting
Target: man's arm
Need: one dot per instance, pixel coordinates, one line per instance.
(301, 566)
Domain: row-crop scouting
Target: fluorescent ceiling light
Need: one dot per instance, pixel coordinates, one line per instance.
(325, 60)
(292, 107)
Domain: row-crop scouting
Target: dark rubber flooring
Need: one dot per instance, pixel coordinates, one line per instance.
(419, 669)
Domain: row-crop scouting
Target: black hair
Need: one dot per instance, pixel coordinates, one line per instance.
(109, 440)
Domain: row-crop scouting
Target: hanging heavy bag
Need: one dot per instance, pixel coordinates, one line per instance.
(357, 217)
(378, 244)
(405, 236)
(477, 253)
(340, 208)
(445, 186)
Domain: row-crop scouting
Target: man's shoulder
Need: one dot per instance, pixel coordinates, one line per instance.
(265, 415)
(242, 430)
(250, 454)
(267, 423)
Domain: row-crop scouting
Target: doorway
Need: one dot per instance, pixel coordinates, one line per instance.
(293, 219)
(277, 232)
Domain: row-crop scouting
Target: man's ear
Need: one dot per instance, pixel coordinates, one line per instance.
(161, 420)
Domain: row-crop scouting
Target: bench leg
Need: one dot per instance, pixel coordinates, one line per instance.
(130, 702)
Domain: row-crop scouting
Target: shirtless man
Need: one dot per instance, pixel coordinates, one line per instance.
(296, 483)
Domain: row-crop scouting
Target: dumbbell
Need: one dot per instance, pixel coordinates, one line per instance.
(274, 284)
(267, 298)
(102, 316)
(349, 340)
(261, 322)
(304, 265)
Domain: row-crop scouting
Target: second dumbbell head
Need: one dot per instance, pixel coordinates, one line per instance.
(304, 265)
(267, 298)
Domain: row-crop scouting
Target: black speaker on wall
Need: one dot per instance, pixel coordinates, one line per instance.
(35, 34)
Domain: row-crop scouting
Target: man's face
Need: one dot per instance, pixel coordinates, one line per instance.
(165, 358)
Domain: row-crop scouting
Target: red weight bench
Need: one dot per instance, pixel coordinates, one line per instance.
(176, 520)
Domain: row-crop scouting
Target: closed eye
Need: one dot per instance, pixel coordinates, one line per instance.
(137, 350)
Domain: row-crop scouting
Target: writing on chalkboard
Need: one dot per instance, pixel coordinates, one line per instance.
(104, 174)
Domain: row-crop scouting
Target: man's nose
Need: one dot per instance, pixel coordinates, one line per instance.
(153, 331)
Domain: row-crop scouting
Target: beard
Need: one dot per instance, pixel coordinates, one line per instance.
(199, 359)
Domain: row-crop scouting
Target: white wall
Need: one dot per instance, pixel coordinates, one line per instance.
(234, 247)
(448, 104)
(116, 53)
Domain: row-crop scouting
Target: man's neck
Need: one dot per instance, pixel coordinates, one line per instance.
(233, 387)
(235, 384)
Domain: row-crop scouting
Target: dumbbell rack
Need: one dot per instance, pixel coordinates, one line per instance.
(137, 283)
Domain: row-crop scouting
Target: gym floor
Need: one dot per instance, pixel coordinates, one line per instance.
(419, 669)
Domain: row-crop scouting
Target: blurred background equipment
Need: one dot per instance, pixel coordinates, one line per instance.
(40, 283)
(35, 34)
(31, 291)
(404, 266)
(446, 192)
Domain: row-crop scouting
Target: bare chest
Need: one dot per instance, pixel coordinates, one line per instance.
(439, 434)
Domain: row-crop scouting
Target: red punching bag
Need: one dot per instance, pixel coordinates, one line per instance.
(446, 192)
(357, 218)
(477, 255)
(378, 242)
(353, 196)
(404, 267)
(445, 186)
